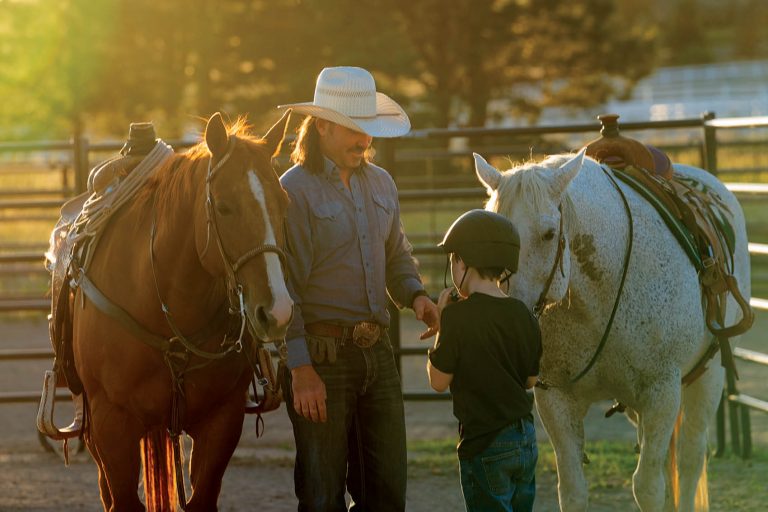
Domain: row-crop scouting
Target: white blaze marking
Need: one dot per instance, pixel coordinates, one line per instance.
(282, 305)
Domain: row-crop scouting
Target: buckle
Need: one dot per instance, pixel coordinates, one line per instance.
(366, 334)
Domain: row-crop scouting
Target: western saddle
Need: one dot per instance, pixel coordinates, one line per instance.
(696, 216)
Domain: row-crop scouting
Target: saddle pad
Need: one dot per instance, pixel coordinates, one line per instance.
(671, 207)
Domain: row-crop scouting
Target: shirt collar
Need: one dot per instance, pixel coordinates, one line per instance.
(330, 169)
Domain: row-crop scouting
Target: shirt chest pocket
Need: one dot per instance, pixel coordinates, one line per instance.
(385, 213)
(331, 225)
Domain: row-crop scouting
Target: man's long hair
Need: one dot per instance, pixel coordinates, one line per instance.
(306, 149)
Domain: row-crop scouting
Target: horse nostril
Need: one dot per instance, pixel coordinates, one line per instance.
(264, 318)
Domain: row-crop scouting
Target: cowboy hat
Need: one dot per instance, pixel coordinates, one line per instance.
(347, 96)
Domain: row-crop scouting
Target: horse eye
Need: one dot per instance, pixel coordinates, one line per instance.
(549, 235)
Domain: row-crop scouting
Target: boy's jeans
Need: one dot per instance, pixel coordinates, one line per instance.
(365, 434)
(502, 477)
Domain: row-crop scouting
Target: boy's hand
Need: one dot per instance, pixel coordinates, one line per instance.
(427, 312)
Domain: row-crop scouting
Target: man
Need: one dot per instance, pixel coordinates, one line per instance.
(346, 251)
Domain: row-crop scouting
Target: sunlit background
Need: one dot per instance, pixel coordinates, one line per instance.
(89, 66)
(75, 73)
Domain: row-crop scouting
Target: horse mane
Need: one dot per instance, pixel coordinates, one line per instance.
(174, 178)
(529, 182)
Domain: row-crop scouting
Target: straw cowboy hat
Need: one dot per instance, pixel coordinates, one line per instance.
(347, 96)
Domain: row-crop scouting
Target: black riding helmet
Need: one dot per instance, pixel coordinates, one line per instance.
(483, 239)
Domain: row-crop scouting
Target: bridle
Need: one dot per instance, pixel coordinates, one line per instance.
(234, 288)
(538, 308)
(540, 304)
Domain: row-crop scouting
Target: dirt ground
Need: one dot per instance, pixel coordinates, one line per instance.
(260, 475)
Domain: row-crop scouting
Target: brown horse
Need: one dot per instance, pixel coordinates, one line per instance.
(194, 263)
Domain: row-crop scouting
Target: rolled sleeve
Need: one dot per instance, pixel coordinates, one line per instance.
(298, 354)
(402, 270)
(299, 263)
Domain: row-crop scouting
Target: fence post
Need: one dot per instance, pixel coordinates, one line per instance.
(80, 148)
(709, 153)
(746, 433)
(721, 425)
(385, 157)
(733, 410)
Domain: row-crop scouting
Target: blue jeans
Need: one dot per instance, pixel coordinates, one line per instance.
(503, 476)
(362, 445)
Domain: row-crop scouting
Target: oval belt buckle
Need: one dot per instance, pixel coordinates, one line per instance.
(366, 334)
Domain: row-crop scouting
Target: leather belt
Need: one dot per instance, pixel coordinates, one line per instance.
(362, 334)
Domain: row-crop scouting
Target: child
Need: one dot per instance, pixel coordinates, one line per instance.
(488, 352)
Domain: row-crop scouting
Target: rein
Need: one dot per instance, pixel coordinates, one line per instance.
(538, 308)
(543, 384)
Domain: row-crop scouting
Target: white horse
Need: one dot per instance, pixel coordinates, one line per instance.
(658, 333)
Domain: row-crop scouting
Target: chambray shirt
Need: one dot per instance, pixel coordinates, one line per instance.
(345, 250)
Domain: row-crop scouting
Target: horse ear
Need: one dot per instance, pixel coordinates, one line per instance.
(274, 137)
(486, 173)
(566, 172)
(216, 137)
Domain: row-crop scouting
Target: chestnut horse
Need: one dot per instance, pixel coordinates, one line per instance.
(192, 259)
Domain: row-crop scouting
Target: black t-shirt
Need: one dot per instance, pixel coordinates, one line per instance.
(491, 345)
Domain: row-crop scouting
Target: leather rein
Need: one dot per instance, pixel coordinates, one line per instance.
(558, 263)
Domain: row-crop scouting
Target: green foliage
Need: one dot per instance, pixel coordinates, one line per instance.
(78, 65)
(74, 65)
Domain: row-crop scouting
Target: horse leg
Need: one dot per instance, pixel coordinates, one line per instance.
(657, 420)
(563, 418)
(700, 400)
(104, 493)
(214, 439)
(116, 435)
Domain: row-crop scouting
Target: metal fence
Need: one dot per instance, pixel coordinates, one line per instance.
(390, 156)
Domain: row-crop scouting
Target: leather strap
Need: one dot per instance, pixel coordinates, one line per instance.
(147, 337)
(330, 330)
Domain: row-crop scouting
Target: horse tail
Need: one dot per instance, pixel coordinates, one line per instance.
(159, 471)
(674, 474)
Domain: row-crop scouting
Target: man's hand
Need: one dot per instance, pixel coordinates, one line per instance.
(308, 393)
(427, 312)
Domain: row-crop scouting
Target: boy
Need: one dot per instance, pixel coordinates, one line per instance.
(488, 352)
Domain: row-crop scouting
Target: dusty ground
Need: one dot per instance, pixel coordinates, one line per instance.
(260, 475)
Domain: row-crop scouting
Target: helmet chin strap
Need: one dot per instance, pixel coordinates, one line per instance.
(466, 269)
(445, 274)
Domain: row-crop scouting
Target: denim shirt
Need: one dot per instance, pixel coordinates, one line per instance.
(345, 250)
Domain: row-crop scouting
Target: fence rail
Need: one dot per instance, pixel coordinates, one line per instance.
(738, 404)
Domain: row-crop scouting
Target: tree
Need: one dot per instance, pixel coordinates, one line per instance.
(533, 54)
(79, 65)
